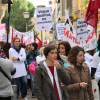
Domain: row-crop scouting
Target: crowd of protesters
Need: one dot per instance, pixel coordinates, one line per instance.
(62, 72)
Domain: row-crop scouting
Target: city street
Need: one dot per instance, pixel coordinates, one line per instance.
(29, 96)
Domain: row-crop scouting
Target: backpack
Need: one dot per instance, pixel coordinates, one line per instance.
(32, 67)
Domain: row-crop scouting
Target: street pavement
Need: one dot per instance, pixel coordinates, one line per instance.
(29, 96)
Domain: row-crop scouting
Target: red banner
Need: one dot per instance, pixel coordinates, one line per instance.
(91, 17)
(38, 41)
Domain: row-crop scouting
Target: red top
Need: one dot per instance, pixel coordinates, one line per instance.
(55, 86)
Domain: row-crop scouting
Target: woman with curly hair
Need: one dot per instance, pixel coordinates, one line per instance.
(80, 87)
(63, 50)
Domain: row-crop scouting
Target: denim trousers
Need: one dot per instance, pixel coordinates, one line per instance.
(31, 77)
(21, 83)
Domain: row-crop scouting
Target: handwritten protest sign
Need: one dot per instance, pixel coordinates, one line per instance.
(44, 18)
(4, 37)
(26, 38)
(2, 31)
(60, 30)
(81, 30)
(70, 36)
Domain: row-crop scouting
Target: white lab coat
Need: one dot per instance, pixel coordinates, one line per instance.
(88, 60)
(19, 65)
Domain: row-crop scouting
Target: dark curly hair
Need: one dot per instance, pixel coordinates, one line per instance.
(67, 46)
(73, 54)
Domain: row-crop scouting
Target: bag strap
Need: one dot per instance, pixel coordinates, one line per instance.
(4, 74)
(34, 63)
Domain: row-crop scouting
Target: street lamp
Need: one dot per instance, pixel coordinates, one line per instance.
(26, 17)
(9, 2)
(41, 6)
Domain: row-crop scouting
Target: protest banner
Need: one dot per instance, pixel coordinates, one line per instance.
(2, 32)
(81, 30)
(26, 38)
(70, 36)
(38, 41)
(60, 30)
(91, 41)
(69, 32)
(44, 18)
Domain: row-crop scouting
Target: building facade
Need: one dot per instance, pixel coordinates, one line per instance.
(58, 11)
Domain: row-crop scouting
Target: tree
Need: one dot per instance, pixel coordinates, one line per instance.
(17, 20)
(82, 8)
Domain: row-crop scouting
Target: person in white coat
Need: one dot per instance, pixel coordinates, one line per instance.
(89, 57)
(18, 56)
(97, 77)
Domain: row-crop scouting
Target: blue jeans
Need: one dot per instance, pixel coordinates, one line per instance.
(31, 76)
(21, 83)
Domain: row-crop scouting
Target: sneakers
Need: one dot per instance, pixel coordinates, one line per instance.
(25, 98)
(33, 95)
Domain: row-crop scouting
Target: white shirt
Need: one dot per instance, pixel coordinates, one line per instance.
(88, 60)
(19, 65)
(97, 74)
(39, 59)
(96, 60)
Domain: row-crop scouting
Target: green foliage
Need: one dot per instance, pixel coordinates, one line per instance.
(80, 13)
(16, 15)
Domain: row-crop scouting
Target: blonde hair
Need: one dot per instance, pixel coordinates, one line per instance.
(41, 49)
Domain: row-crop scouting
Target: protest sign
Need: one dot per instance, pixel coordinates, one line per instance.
(44, 18)
(60, 30)
(69, 32)
(2, 31)
(38, 41)
(70, 36)
(91, 41)
(81, 30)
(26, 38)
(4, 37)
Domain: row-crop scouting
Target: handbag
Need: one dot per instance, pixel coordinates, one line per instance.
(4, 74)
(32, 67)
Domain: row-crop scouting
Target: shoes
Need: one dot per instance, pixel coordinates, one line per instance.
(19, 95)
(33, 95)
(25, 98)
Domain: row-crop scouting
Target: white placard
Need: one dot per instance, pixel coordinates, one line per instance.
(81, 33)
(4, 37)
(60, 30)
(44, 18)
(2, 31)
